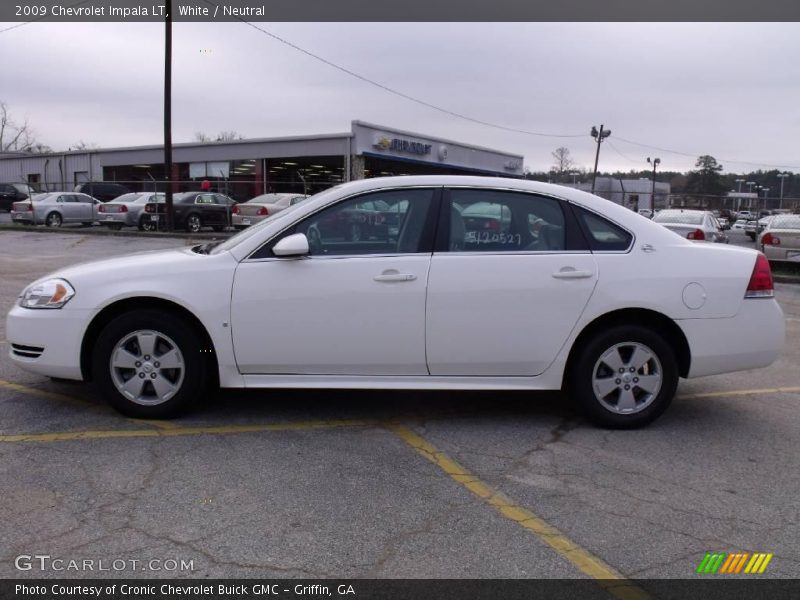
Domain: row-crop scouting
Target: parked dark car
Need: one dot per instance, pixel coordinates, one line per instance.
(101, 190)
(13, 192)
(193, 211)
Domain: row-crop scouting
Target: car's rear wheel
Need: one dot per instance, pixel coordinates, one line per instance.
(193, 223)
(150, 364)
(145, 224)
(624, 377)
(53, 220)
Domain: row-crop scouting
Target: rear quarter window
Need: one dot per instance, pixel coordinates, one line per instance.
(602, 234)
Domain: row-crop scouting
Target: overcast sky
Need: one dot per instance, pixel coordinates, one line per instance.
(729, 90)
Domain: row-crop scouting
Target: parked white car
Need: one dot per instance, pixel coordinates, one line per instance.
(696, 225)
(259, 208)
(571, 291)
(56, 208)
(128, 210)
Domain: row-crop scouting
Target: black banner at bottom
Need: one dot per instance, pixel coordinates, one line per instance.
(398, 589)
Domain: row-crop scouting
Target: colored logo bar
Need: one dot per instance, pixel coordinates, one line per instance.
(740, 562)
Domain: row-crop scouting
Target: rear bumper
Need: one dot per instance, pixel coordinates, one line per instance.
(750, 340)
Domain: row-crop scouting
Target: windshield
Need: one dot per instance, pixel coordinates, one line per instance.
(255, 229)
(679, 216)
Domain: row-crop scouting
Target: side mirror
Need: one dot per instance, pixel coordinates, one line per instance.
(292, 245)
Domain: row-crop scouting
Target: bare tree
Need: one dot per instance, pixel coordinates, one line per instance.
(14, 137)
(81, 145)
(227, 136)
(199, 136)
(563, 160)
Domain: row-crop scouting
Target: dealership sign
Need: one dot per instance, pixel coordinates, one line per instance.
(384, 142)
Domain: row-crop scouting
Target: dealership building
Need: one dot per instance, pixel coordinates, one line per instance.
(248, 167)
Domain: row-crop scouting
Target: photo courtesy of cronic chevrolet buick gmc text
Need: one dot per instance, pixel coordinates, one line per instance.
(478, 283)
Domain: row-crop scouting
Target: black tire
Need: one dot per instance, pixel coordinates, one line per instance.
(587, 363)
(146, 224)
(194, 223)
(53, 220)
(169, 329)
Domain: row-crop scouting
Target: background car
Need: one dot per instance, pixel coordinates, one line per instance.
(126, 210)
(101, 190)
(55, 209)
(696, 225)
(646, 212)
(14, 192)
(754, 227)
(781, 239)
(259, 208)
(724, 223)
(193, 211)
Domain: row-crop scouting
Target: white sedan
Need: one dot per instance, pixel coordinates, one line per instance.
(697, 225)
(594, 300)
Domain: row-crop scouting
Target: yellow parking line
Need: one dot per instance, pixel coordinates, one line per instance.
(181, 431)
(608, 578)
(156, 424)
(755, 392)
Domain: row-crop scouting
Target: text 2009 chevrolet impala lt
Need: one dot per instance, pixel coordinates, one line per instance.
(456, 283)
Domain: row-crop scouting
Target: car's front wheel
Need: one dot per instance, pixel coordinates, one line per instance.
(151, 364)
(623, 377)
(53, 220)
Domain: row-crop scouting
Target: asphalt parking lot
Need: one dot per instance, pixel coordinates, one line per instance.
(388, 485)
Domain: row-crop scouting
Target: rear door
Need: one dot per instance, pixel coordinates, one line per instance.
(509, 280)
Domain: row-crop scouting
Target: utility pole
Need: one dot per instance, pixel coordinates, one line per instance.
(655, 162)
(782, 176)
(599, 136)
(168, 117)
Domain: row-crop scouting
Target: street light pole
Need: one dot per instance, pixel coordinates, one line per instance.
(655, 162)
(599, 136)
(750, 185)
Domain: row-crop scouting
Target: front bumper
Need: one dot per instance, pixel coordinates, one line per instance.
(752, 339)
(58, 333)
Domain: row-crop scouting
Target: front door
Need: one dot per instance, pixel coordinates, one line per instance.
(353, 306)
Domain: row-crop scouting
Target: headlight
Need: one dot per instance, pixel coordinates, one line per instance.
(53, 293)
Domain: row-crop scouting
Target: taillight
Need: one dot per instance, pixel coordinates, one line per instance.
(697, 234)
(101, 208)
(149, 208)
(123, 208)
(760, 285)
(235, 210)
(770, 240)
(492, 225)
(30, 207)
(263, 211)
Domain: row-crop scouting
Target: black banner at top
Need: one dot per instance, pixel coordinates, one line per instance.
(400, 10)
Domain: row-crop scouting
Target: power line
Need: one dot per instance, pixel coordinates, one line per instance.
(398, 93)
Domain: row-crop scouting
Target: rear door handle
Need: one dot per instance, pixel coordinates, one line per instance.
(395, 276)
(570, 273)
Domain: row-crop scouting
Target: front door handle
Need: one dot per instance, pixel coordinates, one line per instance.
(571, 273)
(393, 275)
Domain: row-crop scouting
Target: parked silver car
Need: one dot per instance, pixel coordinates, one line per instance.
(781, 239)
(56, 208)
(128, 210)
(697, 225)
(259, 208)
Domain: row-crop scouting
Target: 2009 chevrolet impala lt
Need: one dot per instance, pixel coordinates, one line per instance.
(454, 283)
